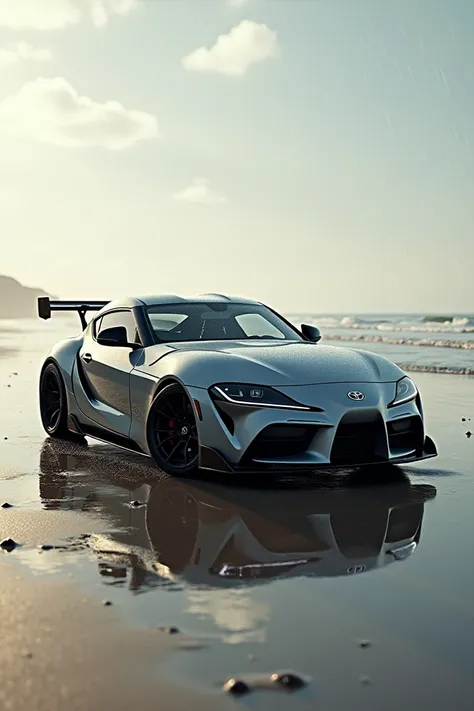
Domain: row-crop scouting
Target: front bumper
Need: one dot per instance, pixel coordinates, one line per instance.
(342, 434)
(211, 459)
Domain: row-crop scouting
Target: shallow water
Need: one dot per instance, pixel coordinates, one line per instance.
(262, 575)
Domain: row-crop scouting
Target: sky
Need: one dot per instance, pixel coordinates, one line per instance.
(314, 154)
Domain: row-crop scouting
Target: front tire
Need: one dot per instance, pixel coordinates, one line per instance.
(53, 402)
(172, 432)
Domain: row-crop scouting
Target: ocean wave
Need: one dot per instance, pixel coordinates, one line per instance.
(455, 326)
(433, 343)
(441, 369)
(400, 323)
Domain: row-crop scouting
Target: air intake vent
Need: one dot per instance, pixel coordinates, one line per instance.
(281, 441)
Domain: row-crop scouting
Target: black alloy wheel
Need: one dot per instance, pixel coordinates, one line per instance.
(53, 403)
(172, 432)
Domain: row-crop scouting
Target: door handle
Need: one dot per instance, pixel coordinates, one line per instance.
(86, 357)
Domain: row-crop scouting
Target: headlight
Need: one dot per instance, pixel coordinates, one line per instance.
(405, 391)
(253, 396)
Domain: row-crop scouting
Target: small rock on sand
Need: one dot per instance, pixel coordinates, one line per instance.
(236, 687)
(107, 603)
(8, 545)
(468, 434)
(169, 630)
(6, 505)
(364, 643)
(288, 680)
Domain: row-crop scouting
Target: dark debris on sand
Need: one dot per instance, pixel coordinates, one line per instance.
(237, 687)
(169, 630)
(283, 681)
(6, 505)
(8, 545)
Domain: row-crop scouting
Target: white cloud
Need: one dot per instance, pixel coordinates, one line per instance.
(58, 14)
(15, 52)
(102, 10)
(233, 54)
(200, 192)
(52, 111)
(238, 3)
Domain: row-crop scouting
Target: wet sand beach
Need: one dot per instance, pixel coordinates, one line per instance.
(256, 576)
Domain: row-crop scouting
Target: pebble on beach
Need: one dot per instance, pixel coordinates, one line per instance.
(283, 681)
(236, 687)
(169, 630)
(6, 505)
(289, 680)
(8, 544)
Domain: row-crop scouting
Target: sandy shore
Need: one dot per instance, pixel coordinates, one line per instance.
(61, 650)
(152, 545)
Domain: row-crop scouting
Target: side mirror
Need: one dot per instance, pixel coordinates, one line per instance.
(115, 336)
(312, 333)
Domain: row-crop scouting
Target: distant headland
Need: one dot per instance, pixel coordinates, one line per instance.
(16, 300)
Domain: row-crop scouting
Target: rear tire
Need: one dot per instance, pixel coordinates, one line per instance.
(172, 432)
(53, 403)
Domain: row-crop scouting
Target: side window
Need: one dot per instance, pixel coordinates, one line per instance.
(119, 318)
(257, 325)
(96, 326)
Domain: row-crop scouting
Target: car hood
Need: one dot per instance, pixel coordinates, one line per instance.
(270, 363)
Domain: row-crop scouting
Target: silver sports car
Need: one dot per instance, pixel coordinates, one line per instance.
(225, 384)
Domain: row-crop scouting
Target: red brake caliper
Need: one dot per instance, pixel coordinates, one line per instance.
(171, 423)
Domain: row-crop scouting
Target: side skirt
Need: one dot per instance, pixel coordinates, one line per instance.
(107, 436)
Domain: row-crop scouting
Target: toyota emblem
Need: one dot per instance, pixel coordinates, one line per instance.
(354, 569)
(356, 395)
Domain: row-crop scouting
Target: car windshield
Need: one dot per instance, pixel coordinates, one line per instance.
(192, 321)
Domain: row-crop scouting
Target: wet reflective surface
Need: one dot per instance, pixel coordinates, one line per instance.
(201, 533)
(363, 581)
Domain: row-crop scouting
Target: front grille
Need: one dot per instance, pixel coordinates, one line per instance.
(280, 441)
(358, 443)
(405, 434)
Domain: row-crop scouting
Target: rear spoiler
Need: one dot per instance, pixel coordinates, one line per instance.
(46, 306)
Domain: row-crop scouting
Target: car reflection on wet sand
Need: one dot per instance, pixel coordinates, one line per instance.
(170, 532)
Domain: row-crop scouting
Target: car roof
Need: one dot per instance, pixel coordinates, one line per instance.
(173, 299)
